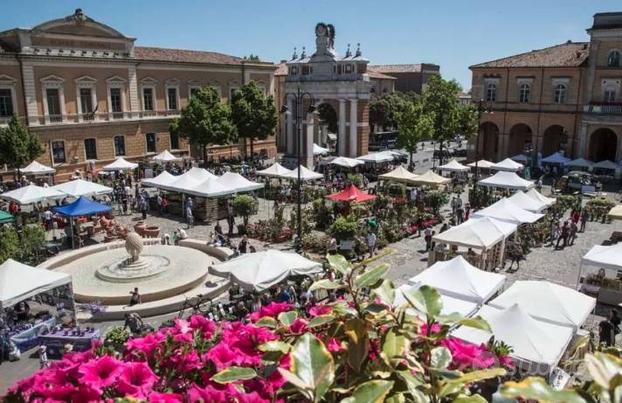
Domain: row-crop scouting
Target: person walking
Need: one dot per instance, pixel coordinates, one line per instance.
(371, 242)
(583, 219)
(563, 236)
(572, 233)
(189, 216)
(427, 236)
(554, 232)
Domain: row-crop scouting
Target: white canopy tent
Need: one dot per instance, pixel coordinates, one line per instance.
(607, 257)
(377, 157)
(534, 194)
(346, 162)
(32, 194)
(275, 170)
(19, 282)
(607, 164)
(189, 180)
(506, 180)
(36, 168)
(399, 174)
(210, 187)
(260, 271)
(162, 179)
(305, 174)
(580, 163)
(506, 210)
(522, 158)
(477, 232)
(482, 164)
(238, 183)
(317, 150)
(450, 304)
(430, 178)
(120, 164)
(535, 343)
(457, 278)
(548, 302)
(165, 156)
(555, 158)
(507, 165)
(454, 166)
(80, 187)
(527, 203)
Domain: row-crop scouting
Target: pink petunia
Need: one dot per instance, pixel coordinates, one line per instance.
(206, 326)
(207, 394)
(273, 310)
(298, 326)
(145, 346)
(136, 379)
(506, 361)
(85, 394)
(317, 310)
(156, 397)
(223, 356)
(334, 346)
(102, 372)
(467, 355)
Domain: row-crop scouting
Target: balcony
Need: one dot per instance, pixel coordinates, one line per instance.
(99, 117)
(601, 108)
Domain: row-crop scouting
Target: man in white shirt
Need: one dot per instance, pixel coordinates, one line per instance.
(371, 242)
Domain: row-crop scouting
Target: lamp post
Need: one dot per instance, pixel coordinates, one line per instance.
(482, 107)
(299, 97)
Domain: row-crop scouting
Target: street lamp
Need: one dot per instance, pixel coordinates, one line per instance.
(482, 107)
(299, 97)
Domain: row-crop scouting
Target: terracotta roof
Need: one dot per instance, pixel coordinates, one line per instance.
(281, 69)
(398, 68)
(569, 54)
(183, 55)
(379, 75)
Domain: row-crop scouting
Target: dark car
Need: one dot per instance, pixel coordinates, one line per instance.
(460, 152)
(445, 154)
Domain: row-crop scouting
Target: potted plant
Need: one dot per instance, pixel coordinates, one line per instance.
(244, 206)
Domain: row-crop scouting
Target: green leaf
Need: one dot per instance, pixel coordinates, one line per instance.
(603, 368)
(394, 345)
(371, 276)
(396, 398)
(267, 321)
(233, 374)
(275, 345)
(339, 263)
(287, 318)
(370, 392)
(450, 319)
(469, 399)
(320, 320)
(325, 284)
(313, 365)
(304, 388)
(480, 375)
(426, 300)
(386, 292)
(358, 346)
(440, 357)
(476, 322)
(534, 388)
(412, 383)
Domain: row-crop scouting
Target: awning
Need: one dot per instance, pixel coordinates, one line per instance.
(477, 232)
(237, 183)
(454, 166)
(377, 157)
(534, 194)
(36, 168)
(608, 257)
(506, 210)
(5, 217)
(450, 304)
(275, 170)
(162, 179)
(120, 164)
(606, 164)
(520, 158)
(506, 180)
(305, 174)
(616, 212)
(482, 164)
(528, 203)
(166, 156)
(317, 150)
(580, 163)
(82, 207)
(399, 174)
(556, 158)
(430, 178)
(80, 187)
(351, 194)
(32, 194)
(346, 162)
(19, 282)
(189, 180)
(507, 165)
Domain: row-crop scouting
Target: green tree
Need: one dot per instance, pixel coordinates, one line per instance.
(383, 110)
(415, 124)
(245, 206)
(10, 247)
(469, 124)
(440, 99)
(32, 243)
(205, 121)
(253, 114)
(18, 146)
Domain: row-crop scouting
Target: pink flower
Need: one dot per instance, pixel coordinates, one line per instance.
(435, 328)
(334, 346)
(182, 326)
(206, 326)
(85, 394)
(273, 310)
(101, 372)
(185, 362)
(317, 310)
(136, 379)
(299, 326)
(223, 356)
(207, 394)
(155, 397)
(467, 355)
(506, 361)
(145, 346)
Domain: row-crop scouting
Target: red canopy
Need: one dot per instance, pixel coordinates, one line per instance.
(351, 194)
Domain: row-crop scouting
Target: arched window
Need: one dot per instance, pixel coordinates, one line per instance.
(560, 93)
(613, 60)
(523, 93)
(491, 92)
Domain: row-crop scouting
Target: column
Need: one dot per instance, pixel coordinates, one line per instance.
(30, 94)
(341, 138)
(582, 153)
(289, 127)
(307, 144)
(353, 127)
(133, 91)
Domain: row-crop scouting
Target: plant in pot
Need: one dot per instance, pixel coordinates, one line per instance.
(435, 200)
(344, 229)
(244, 206)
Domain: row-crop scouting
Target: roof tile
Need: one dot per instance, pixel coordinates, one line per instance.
(183, 55)
(568, 54)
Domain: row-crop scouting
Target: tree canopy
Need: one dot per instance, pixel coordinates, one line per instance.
(383, 110)
(253, 113)
(205, 121)
(415, 125)
(18, 146)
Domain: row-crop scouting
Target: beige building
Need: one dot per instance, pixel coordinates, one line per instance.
(566, 97)
(91, 94)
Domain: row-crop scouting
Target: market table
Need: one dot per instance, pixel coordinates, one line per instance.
(27, 338)
(56, 340)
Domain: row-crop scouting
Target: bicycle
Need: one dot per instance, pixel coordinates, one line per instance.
(201, 304)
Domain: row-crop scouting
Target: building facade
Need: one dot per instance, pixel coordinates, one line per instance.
(562, 98)
(90, 94)
(408, 77)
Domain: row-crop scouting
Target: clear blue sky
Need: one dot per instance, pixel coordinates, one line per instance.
(453, 34)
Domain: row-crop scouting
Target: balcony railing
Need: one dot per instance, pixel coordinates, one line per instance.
(603, 108)
(102, 117)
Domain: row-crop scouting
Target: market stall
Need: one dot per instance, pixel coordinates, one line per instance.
(120, 164)
(262, 270)
(351, 194)
(616, 212)
(459, 279)
(580, 164)
(508, 165)
(163, 179)
(165, 157)
(534, 194)
(377, 158)
(506, 180)
(528, 203)
(305, 174)
(317, 150)
(538, 346)
(555, 159)
(346, 162)
(430, 178)
(547, 301)
(237, 183)
(32, 301)
(506, 210)
(79, 187)
(522, 158)
(606, 168)
(83, 207)
(450, 305)
(481, 164)
(32, 194)
(454, 166)
(275, 170)
(601, 278)
(399, 174)
(188, 180)
(36, 169)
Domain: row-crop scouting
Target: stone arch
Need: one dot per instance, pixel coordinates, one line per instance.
(603, 145)
(521, 138)
(328, 115)
(553, 139)
(489, 143)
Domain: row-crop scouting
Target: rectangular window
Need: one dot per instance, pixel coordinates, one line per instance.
(148, 99)
(90, 149)
(6, 103)
(171, 93)
(610, 95)
(53, 100)
(119, 146)
(174, 141)
(116, 103)
(58, 152)
(348, 68)
(86, 103)
(151, 142)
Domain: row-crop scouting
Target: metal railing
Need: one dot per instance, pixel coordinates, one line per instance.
(603, 108)
(46, 120)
